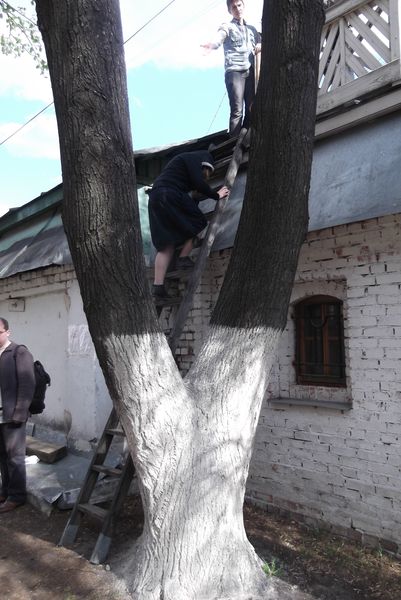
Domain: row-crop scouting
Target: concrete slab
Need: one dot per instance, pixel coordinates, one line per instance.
(46, 483)
(57, 485)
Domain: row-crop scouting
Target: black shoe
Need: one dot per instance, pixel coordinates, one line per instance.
(159, 292)
(184, 263)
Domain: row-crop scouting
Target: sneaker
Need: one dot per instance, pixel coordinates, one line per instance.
(159, 292)
(9, 505)
(184, 263)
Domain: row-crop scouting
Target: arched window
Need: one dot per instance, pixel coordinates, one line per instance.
(320, 356)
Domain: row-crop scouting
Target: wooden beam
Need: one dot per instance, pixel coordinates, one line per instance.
(46, 451)
(357, 115)
(388, 74)
(342, 8)
(394, 22)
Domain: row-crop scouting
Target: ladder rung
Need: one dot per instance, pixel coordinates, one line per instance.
(115, 431)
(168, 301)
(223, 146)
(93, 511)
(112, 471)
(177, 273)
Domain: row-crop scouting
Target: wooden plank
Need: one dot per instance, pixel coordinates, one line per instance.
(353, 42)
(332, 66)
(359, 114)
(371, 38)
(336, 79)
(373, 17)
(258, 57)
(340, 9)
(354, 89)
(46, 451)
(330, 40)
(92, 510)
(193, 283)
(383, 4)
(394, 21)
(343, 65)
(111, 471)
(355, 65)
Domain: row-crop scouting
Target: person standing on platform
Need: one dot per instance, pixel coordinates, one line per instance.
(241, 42)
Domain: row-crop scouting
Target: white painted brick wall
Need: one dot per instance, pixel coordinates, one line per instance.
(340, 468)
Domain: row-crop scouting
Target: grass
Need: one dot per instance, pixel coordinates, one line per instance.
(272, 568)
(312, 558)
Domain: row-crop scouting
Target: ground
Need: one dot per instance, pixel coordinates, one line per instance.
(327, 567)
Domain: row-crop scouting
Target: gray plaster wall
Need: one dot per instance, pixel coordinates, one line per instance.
(356, 175)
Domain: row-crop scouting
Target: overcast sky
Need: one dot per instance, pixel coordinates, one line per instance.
(176, 93)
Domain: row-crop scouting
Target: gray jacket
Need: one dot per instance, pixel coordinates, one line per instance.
(239, 43)
(17, 382)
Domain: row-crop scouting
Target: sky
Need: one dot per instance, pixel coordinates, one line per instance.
(176, 92)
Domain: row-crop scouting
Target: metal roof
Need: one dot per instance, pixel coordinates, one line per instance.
(356, 175)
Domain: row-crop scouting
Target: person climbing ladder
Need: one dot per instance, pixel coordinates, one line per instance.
(174, 216)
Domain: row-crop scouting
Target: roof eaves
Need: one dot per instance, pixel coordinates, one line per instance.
(35, 207)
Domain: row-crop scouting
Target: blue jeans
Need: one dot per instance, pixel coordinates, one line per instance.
(241, 93)
(12, 462)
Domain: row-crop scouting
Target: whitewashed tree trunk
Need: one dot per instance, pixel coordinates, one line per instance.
(191, 440)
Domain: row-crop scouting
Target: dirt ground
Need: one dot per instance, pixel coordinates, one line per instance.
(32, 567)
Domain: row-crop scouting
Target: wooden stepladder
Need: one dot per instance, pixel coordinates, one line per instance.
(125, 474)
(83, 505)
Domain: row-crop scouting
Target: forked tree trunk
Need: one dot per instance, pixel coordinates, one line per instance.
(191, 440)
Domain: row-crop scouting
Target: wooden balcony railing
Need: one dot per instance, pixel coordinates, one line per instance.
(360, 50)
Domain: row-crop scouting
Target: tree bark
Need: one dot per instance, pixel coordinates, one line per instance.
(191, 440)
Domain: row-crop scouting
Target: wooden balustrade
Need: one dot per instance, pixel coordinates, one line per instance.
(360, 50)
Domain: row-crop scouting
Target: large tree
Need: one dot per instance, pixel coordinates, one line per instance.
(191, 439)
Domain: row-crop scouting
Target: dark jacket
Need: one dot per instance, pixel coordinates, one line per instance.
(184, 173)
(17, 382)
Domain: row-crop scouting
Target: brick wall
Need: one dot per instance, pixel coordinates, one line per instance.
(329, 456)
(17, 284)
(332, 456)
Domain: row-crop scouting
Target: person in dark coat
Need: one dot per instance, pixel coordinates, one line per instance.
(174, 216)
(17, 386)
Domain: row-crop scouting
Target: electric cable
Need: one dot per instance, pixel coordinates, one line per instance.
(25, 124)
(125, 42)
(51, 103)
(216, 113)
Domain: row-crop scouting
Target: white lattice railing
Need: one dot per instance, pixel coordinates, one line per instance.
(360, 50)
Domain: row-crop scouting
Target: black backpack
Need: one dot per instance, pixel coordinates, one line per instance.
(42, 380)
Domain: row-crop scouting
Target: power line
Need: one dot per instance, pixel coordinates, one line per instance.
(51, 103)
(216, 113)
(25, 124)
(150, 20)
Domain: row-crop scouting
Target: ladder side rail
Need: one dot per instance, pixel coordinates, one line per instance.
(71, 529)
(207, 244)
(103, 541)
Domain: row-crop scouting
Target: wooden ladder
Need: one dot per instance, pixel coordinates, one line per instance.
(125, 474)
(106, 516)
(231, 164)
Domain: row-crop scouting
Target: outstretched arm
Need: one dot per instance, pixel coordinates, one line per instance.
(209, 46)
